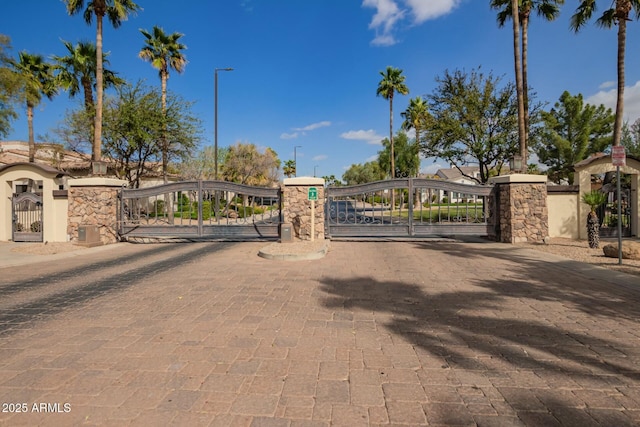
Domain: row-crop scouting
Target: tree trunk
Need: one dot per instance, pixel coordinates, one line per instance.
(519, 90)
(32, 142)
(593, 230)
(97, 132)
(163, 80)
(622, 11)
(525, 82)
(393, 163)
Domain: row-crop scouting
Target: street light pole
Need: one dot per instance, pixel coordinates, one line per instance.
(215, 109)
(295, 159)
(314, 170)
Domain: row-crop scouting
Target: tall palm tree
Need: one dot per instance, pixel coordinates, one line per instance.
(164, 51)
(617, 14)
(116, 11)
(38, 80)
(416, 116)
(77, 72)
(547, 9)
(392, 82)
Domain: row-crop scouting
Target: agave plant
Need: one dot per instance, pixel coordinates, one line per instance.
(594, 199)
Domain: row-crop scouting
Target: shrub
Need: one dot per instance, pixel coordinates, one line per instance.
(36, 227)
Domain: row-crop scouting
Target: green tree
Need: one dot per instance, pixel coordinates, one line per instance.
(289, 168)
(38, 80)
(631, 138)
(116, 11)
(76, 72)
(474, 121)
(570, 132)
(363, 173)
(331, 180)
(392, 82)
(546, 9)
(407, 156)
(617, 14)
(202, 165)
(164, 52)
(10, 85)
(416, 116)
(245, 164)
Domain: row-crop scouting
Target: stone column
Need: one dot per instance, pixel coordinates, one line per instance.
(522, 208)
(94, 202)
(296, 207)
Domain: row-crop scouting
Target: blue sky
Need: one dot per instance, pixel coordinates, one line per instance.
(306, 71)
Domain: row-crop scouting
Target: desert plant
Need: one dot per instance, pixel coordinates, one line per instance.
(594, 199)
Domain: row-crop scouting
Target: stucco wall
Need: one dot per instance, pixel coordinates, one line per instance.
(563, 215)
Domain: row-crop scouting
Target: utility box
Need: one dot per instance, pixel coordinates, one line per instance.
(286, 233)
(89, 235)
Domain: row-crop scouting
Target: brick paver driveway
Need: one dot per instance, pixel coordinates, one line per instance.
(399, 333)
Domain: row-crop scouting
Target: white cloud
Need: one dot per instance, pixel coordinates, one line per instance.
(289, 135)
(369, 136)
(389, 14)
(314, 126)
(631, 100)
(373, 158)
(320, 157)
(607, 85)
(424, 10)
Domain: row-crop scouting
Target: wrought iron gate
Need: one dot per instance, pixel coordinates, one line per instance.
(609, 215)
(26, 214)
(200, 209)
(411, 207)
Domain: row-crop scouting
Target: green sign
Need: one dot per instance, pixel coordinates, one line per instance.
(313, 193)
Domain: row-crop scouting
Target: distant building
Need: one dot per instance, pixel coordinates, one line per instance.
(456, 175)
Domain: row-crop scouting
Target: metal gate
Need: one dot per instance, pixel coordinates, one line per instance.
(200, 209)
(26, 214)
(411, 207)
(609, 215)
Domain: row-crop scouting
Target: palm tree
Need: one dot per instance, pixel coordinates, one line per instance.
(617, 14)
(164, 51)
(38, 80)
(116, 11)
(392, 82)
(77, 72)
(547, 9)
(416, 116)
(289, 168)
(594, 199)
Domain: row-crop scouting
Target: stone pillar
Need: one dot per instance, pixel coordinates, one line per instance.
(522, 208)
(296, 207)
(94, 201)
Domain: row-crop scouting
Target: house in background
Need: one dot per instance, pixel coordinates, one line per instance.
(456, 175)
(72, 163)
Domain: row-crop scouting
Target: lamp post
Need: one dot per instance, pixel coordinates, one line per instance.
(295, 159)
(314, 170)
(215, 109)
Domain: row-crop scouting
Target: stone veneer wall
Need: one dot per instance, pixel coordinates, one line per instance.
(522, 212)
(93, 205)
(296, 208)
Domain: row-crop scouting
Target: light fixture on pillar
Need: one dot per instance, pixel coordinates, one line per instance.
(515, 164)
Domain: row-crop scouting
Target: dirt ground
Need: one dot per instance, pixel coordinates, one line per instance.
(577, 250)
